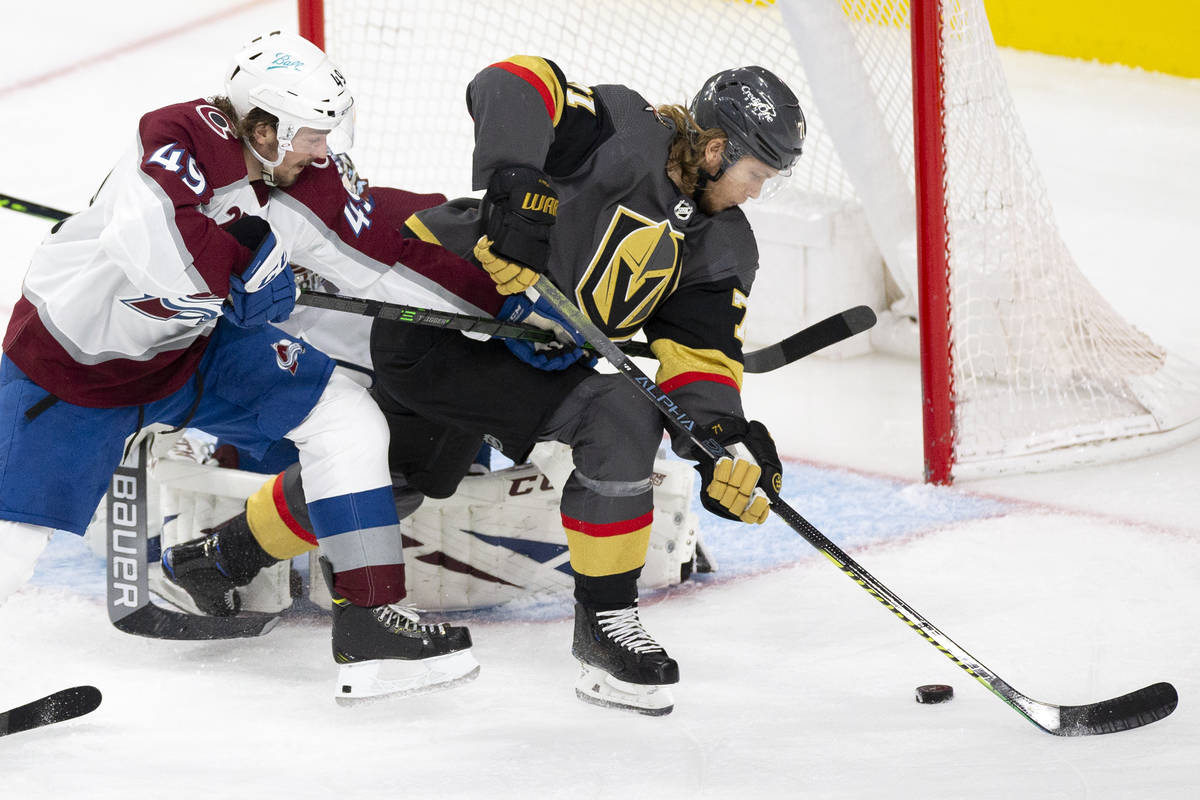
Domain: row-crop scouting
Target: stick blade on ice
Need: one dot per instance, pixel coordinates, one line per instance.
(58, 707)
(1133, 710)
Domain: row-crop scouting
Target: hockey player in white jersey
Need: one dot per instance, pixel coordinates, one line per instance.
(632, 210)
(154, 304)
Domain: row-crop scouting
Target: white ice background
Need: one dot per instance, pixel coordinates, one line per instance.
(1073, 586)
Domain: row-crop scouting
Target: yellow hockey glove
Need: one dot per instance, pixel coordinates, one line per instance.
(510, 277)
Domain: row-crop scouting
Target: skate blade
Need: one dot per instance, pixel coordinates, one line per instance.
(386, 677)
(597, 687)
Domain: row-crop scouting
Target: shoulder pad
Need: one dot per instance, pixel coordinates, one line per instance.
(204, 132)
(730, 248)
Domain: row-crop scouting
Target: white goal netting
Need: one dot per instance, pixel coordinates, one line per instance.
(1044, 370)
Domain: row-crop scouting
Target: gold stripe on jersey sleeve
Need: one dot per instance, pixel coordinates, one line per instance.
(414, 224)
(545, 74)
(676, 359)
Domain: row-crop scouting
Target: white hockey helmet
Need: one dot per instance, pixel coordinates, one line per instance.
(292, 78)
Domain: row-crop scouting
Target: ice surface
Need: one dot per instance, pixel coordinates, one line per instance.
(1073, 586)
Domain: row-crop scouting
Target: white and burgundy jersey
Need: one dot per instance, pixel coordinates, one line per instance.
(120, 299)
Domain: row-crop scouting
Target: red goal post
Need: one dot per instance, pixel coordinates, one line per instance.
(1023, 364)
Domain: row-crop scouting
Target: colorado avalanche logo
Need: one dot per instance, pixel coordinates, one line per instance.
(196, 309)
(287, 354)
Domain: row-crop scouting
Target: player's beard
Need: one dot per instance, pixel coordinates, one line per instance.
(290, 173)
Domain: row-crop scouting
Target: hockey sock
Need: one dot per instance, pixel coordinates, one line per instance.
(279, 530)
(607, 592)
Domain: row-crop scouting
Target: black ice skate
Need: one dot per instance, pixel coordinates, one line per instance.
(210, 568)
(196, 566)
(622, 665)
(386, 650)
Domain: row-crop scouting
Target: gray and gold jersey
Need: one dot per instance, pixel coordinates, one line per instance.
(628, 246)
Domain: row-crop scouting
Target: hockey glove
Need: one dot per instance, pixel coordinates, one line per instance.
(549, 356)
(733, 487)
(510, 278)
(266, 290)
(517, 213)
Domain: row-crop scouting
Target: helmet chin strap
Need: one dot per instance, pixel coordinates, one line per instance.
(268, 166)
(729, 157)
(704, 178)
(261, 158)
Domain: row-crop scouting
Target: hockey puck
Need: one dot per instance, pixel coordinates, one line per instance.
(934, 693)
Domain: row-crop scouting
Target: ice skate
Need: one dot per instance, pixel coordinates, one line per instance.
(197, 568)
(387, 650)
(621, 664)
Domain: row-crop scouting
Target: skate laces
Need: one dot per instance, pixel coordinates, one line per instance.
(400, 617)
(625, 629)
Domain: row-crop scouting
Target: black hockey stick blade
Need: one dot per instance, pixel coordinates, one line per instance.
(63, 705)
(155, 622)
(1123, 713)
(815, 337)
(129, 606)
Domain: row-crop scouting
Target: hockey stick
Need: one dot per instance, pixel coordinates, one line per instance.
(61, 706)
(1132, 710)
(129, 606)
(448, 320)
(34, 209)
(805, 342)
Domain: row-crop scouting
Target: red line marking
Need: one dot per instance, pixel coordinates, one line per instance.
(154, 38)
(1016, 503)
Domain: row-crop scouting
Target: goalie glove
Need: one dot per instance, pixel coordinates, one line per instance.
(549, 356)
(734, 487)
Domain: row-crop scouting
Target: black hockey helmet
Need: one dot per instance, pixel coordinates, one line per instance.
(758, 112)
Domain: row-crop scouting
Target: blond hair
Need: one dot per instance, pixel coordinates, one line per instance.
(686, 153)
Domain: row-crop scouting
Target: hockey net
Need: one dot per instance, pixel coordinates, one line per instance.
(1039, 368)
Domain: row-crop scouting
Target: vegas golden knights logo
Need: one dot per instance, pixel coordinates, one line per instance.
(636, 266)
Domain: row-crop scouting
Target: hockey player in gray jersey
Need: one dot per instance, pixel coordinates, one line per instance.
(631, 209)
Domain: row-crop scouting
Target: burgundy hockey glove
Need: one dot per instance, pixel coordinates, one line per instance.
(734, 487)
